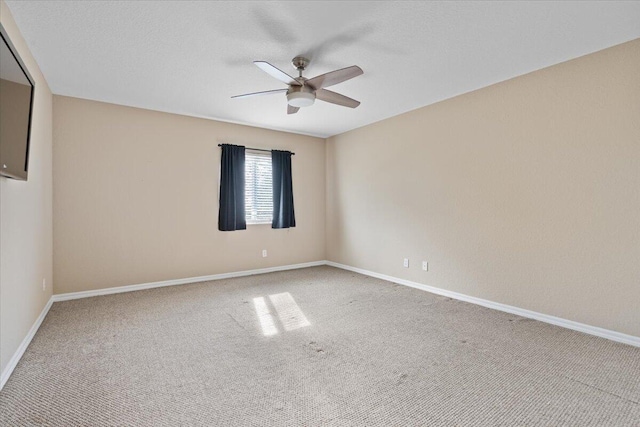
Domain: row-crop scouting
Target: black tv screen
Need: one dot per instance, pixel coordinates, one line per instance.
(16, 105)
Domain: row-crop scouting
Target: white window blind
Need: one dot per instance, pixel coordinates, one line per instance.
(258, 196)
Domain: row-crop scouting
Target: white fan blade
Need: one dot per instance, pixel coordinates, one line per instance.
(334, 77)
(276, 73)
(266, 92)
(335, 98)
(292, 110)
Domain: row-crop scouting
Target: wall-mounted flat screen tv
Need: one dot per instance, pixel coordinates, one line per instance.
(16, 105)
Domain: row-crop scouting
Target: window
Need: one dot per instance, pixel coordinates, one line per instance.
(264, 196)
(258, 197)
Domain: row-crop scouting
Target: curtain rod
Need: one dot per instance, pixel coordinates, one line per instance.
(257, 149)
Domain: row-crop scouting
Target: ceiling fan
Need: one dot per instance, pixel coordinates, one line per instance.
(302, 92)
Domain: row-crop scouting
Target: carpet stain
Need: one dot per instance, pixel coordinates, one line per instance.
(236, 322)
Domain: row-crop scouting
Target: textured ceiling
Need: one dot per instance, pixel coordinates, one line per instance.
(191, 57)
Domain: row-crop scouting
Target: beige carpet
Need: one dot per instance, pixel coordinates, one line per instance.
(340, 349)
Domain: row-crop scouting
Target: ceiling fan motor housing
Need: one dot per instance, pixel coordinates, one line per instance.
(300, 96)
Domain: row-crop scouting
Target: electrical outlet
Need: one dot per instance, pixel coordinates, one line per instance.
(405, 263)
(425, 265)
(264, 253)
(44, 284)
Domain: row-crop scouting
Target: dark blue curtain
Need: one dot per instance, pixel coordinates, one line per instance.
(231, 215)
(283, 212)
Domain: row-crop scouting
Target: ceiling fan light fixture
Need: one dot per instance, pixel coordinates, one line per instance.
(301, 99)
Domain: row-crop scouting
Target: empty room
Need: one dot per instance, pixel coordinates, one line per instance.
(368, 213)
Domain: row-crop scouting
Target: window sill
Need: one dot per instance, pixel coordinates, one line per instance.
(259, 223)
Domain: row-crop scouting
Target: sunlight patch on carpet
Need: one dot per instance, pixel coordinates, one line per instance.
(264, 316)
(289, 313)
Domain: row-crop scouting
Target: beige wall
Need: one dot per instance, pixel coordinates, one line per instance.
(525, 193)
(136, 198)
(25, 218)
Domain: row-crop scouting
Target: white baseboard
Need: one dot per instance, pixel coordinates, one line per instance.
(141, 286)
(569, 324)
(6, 373)
(558, 321)
(8, 370)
